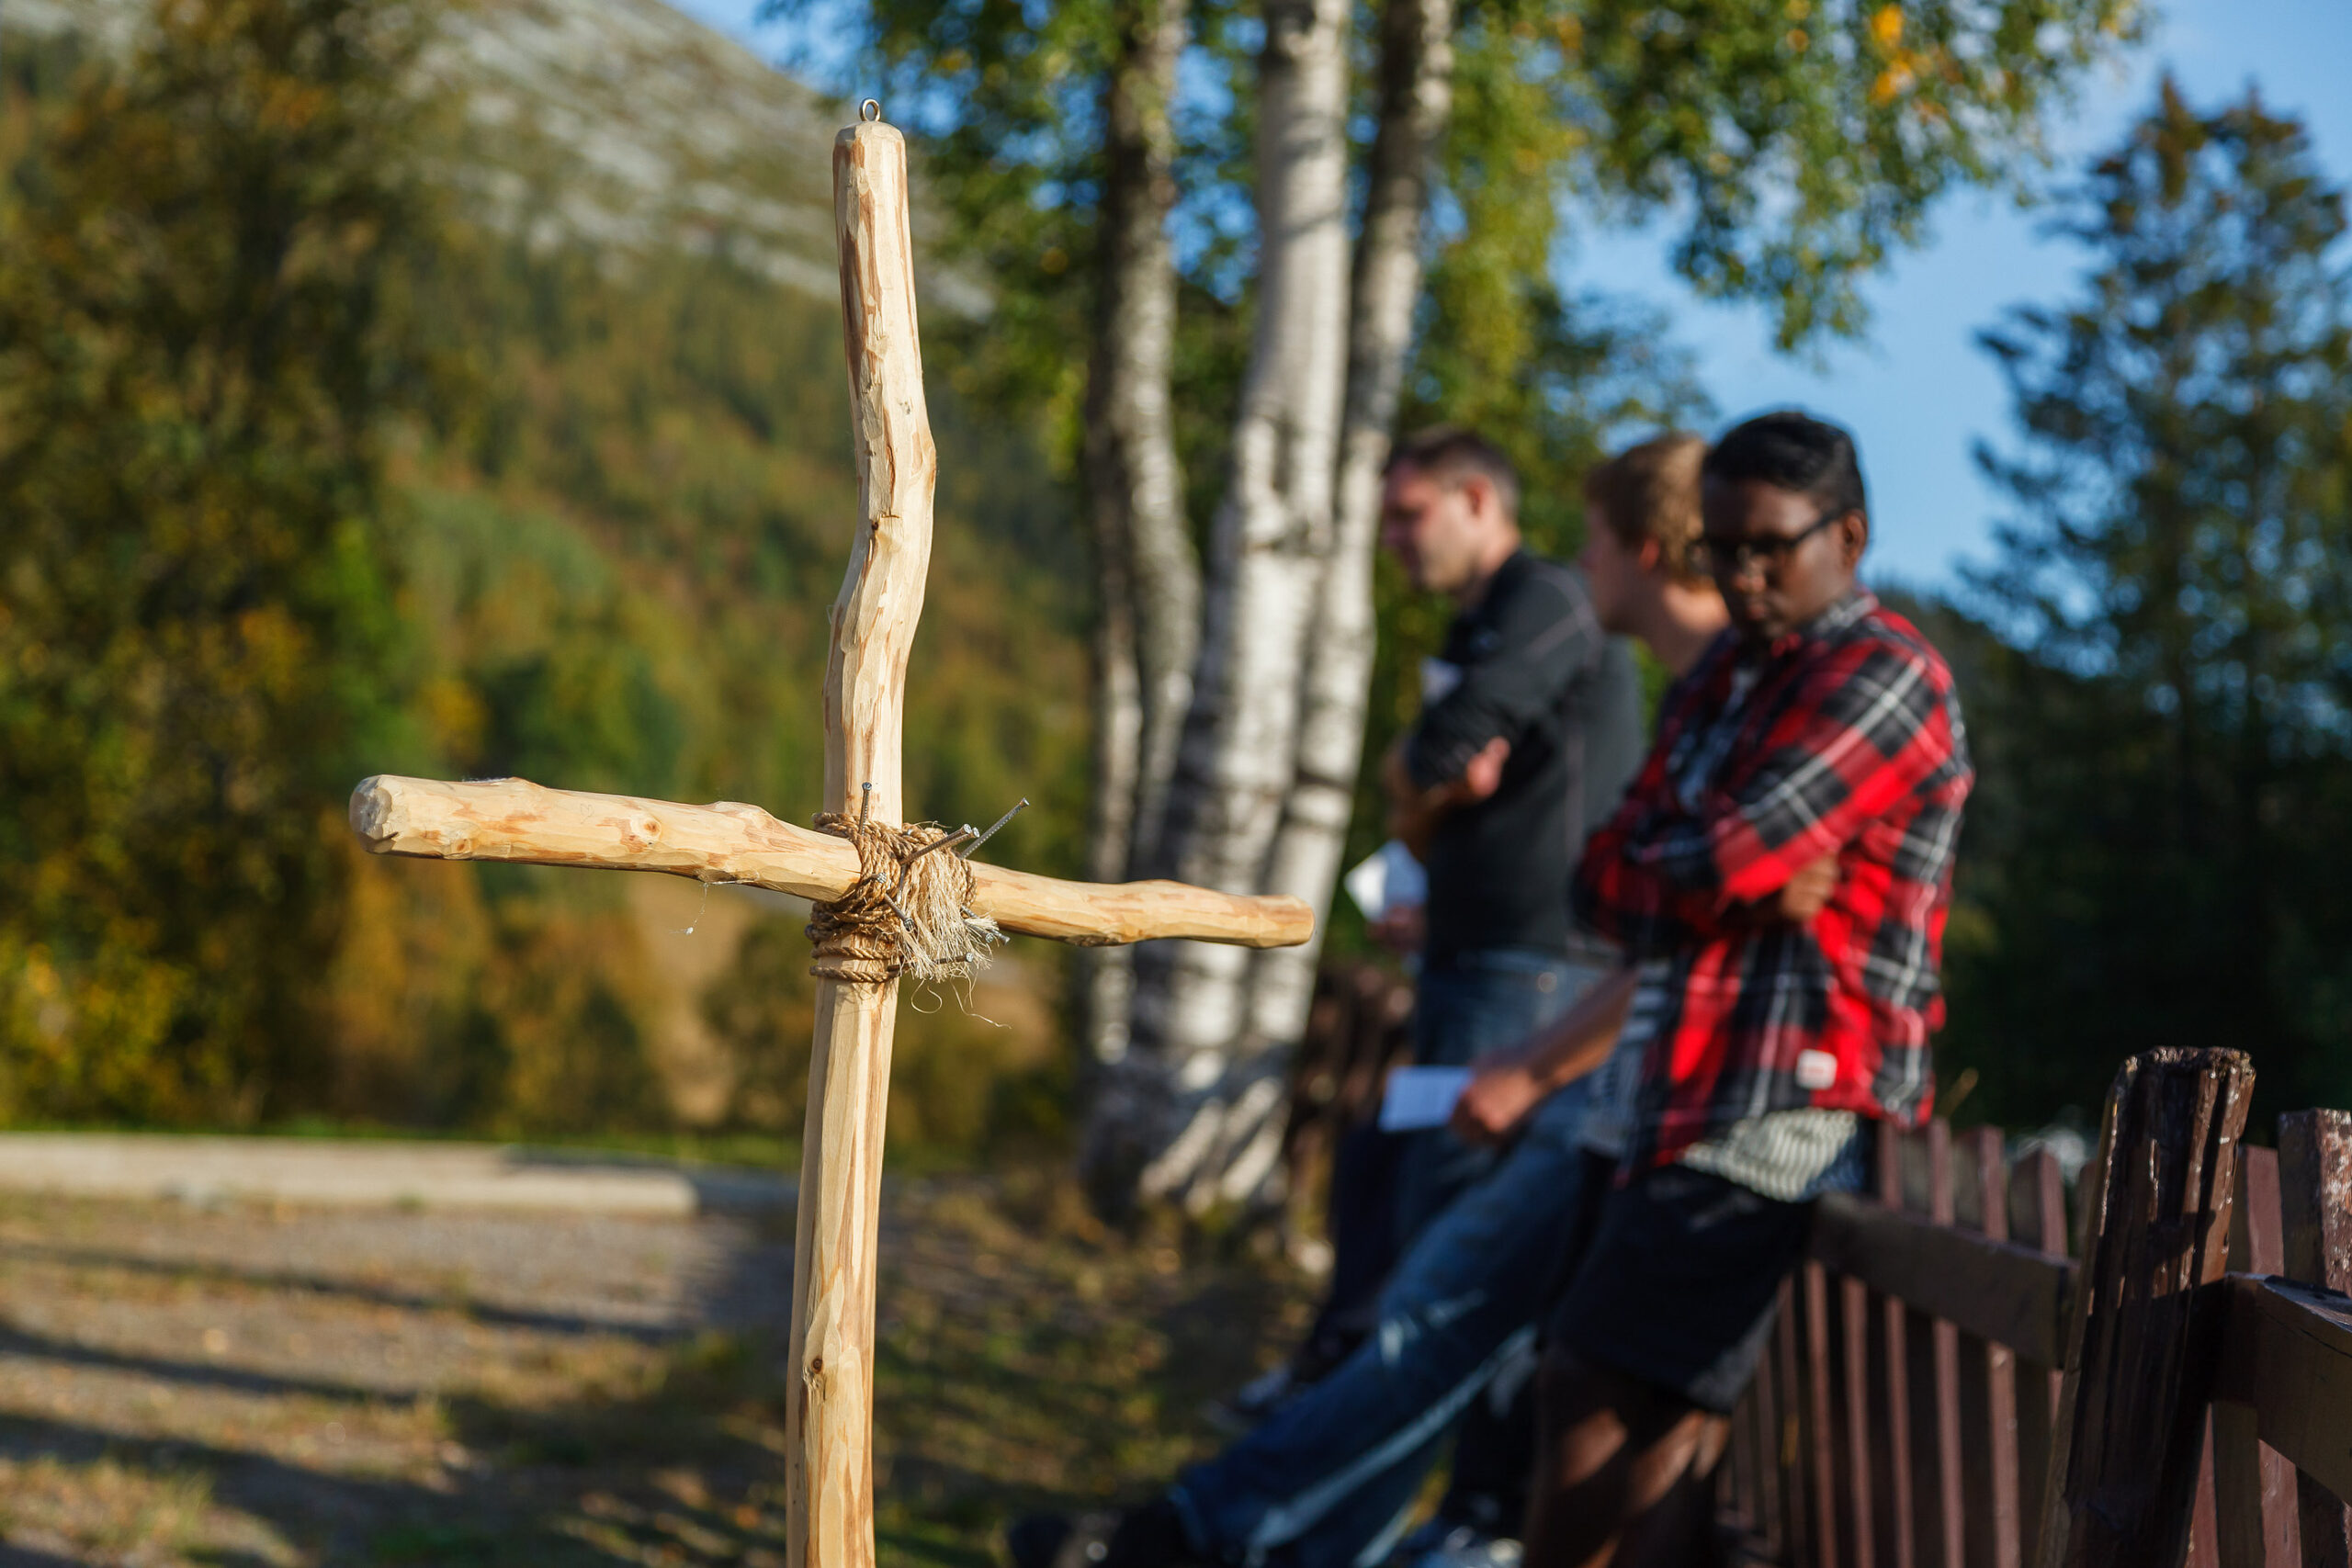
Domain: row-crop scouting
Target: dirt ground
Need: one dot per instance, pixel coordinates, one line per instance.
(250, 1385)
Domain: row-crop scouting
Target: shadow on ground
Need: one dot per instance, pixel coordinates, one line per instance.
(1025, 1359)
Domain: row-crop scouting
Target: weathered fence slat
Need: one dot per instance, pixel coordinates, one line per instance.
(1993, 1290)
(2037, 1218)
(1789, 1443)
(1821, 1421)
(1988, 1386)
(2315, 1222)
(2289, 1357)
(1891, 1319)
(2144, 1339)
(2254, 1491)
(1935, 1385)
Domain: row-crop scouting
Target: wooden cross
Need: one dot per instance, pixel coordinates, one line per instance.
(829, 1463)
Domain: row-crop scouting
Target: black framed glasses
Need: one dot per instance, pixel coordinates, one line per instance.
(1729, 557)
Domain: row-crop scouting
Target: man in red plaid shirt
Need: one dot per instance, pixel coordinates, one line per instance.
(1780, 870)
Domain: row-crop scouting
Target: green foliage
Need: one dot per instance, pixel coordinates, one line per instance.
(310, 476)
(2164, 723)
(1794, 144)
(198, 302)
(619, 564)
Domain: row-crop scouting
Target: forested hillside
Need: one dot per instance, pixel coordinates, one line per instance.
(571, 361)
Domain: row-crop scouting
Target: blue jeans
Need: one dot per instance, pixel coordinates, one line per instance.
(1476, 1002)
(1328, 1480)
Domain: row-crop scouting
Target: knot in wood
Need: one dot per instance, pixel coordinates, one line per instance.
(908, 912)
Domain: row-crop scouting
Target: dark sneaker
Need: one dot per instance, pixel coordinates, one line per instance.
(1149, 1537)
(1035, 1541)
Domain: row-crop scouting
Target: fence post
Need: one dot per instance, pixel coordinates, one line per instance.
(2315, 1225)
(2254, 1487)
(2141, 1351)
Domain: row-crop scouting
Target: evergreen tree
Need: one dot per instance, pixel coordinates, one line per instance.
(2166, 744)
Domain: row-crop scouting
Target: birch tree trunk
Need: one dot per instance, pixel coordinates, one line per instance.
(1200, 1096)
(1148, 578)
(1415, 97)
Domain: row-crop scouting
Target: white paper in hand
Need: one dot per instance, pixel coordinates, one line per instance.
(1422, 1097)
(1388, 878)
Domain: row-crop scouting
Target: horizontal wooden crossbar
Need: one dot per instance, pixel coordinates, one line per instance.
(515, 819)
(1993, 1290)
(2287, 1353)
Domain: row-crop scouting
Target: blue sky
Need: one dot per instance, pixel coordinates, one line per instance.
(1917, 392)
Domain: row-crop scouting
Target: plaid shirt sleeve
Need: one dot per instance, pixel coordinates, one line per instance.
(1641, 914)
(1869, 726)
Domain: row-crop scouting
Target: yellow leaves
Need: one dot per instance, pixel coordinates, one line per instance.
(1797, 40)
(1055, 261)
(1527, 161)
(1800, 10)
(455, 714)
(1903, 72)
(1570, 32)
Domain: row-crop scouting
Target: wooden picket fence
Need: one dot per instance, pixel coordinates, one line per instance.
(1943, 1392)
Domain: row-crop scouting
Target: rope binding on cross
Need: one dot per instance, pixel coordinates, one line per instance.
(909, 911)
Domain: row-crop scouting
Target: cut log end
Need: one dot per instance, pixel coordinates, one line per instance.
(376, 813)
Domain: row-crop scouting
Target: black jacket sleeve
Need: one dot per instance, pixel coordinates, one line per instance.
(1543, 636)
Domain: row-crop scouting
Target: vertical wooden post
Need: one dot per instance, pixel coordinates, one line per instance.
(2315, 1222)
(1988, 1409)
(1789, 1444)
(829, 1459)
(1932, 1349)
(2038, 1218)
(2143, 1340)
(2254, 1486)
(1823, 1422)
(1899, 1518)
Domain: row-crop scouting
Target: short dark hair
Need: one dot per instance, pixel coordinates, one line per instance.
(1794, 451)
(1451, 452)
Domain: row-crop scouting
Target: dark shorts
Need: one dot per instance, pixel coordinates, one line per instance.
(1680, 1282)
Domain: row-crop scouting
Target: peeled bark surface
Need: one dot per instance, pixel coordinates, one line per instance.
(1148, 579)
(828, 1421)
(1415, 97)
(1198, 1110)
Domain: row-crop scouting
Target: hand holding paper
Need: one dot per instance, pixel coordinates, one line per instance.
(1419, 1097)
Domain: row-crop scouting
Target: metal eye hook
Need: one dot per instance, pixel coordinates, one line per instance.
(870, 111)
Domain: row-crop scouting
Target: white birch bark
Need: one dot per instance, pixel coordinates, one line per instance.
(1148, 578)
(1210, 1081)
(1415, 97)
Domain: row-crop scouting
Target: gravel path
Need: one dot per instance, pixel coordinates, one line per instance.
(244, 1386)
(250, 1385)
